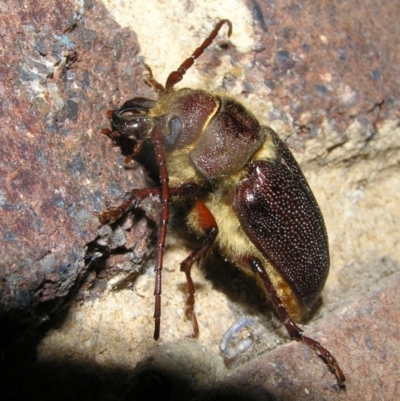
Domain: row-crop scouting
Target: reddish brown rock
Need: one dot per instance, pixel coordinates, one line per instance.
(328, 62)
(63, 65)
(364, 337)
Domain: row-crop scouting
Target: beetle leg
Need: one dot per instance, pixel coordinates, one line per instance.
(295, 332)
(112, 214)
(111, 134)
(151, 81)
(136, 150)
(136, 196)
(208, 225)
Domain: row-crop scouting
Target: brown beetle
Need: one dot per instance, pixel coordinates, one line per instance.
(250, 196)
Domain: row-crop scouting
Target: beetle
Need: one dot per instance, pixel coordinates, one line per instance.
(249, 195)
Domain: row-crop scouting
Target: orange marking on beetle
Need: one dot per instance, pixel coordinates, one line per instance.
(205, 217)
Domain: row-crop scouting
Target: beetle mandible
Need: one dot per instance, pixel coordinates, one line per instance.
(248, 192)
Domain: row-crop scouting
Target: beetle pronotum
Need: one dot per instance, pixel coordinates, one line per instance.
(248, 192)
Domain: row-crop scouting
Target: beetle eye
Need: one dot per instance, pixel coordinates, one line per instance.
(175, 127)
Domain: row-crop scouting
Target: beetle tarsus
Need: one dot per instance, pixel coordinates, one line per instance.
(294, 331)
(111, 215)
(327, 357)
(149, 79)
(156, 334)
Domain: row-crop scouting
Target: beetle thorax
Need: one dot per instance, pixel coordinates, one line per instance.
(219, 133)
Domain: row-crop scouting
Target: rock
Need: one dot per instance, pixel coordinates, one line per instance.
(63, 66)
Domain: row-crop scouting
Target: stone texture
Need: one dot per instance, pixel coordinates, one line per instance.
(321, 64)
(63, 64)
(364, 337)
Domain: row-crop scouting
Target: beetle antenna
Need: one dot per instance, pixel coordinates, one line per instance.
(177, 75)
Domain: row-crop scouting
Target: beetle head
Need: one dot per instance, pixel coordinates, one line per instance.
(132, 119)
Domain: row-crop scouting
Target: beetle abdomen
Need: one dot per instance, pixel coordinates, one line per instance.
(279, 214)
